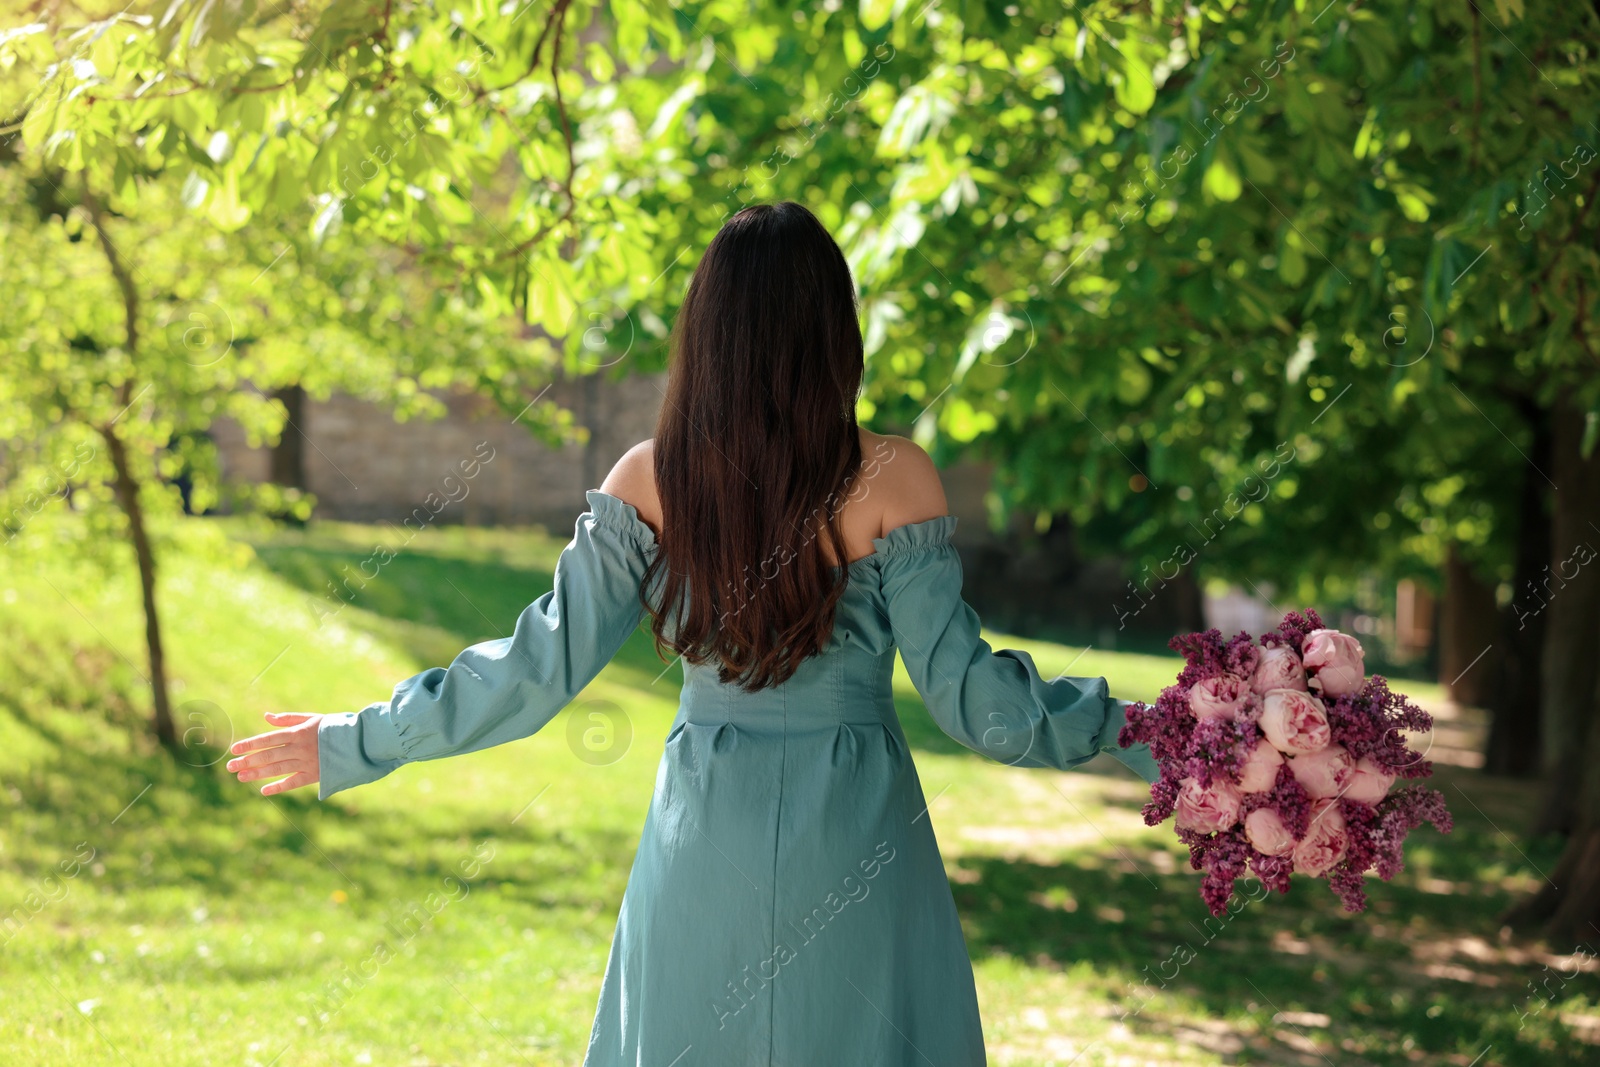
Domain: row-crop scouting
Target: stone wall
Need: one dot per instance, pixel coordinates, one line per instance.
(364, 466)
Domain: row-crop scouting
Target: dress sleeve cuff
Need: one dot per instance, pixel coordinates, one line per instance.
(354, 748)
(915, 537)
(1136, 758)
(613, 513)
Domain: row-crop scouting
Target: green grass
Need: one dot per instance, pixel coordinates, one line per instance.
(210, 925)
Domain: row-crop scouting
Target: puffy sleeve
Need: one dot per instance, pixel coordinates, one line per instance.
(993, 702)
(505, 689)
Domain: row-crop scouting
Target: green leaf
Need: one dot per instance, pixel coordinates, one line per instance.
(225, 208)
(194, 191)
(1136, 89)
(874, 13)
(327, 220)
(550, 298)
(1291, 265)
(1222, 178)
(1258, 167)
(1413, 201)
(965, 423)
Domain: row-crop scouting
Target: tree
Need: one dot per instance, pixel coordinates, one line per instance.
(1159, 261)
(287, 199)
(1298, 288)
(161, 137)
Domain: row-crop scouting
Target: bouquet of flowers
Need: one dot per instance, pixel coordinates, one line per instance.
(1279, 756)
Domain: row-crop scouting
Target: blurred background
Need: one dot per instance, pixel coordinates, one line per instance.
(319, 318)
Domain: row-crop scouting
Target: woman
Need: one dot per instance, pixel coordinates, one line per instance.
(787, 903)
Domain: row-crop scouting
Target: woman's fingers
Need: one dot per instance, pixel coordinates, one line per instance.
(256, 759)
(274, 738)
(271, 770)
(291, 750)
(295, 749)
(294, 781)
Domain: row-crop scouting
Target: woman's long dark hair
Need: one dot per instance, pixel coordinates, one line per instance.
(755, 447)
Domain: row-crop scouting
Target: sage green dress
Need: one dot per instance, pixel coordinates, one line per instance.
(787, 904)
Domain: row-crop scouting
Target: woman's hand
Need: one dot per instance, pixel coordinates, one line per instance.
(290, 751)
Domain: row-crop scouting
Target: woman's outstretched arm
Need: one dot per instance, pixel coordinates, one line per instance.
(993, 701)
(493, 692)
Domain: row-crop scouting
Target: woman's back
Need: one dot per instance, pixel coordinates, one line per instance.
(896, 484)
(794, 814)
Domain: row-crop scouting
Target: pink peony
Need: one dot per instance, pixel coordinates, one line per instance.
(1338, 660)
(1325, 841)
(1266, 832)
(1327, 772)
(1259, 770)
(1369, 783)
(1279, 668)
(1218, 697)
(1207, 810)
(1294, 722)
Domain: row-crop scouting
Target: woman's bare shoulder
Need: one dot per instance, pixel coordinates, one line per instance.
(898, 484)
(633, 481)
(901, 483)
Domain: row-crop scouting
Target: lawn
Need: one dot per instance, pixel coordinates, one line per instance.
(459, 912)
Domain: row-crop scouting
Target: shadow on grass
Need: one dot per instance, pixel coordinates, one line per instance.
(418, 594)
(156, 822)
(1408, 977)
(1411, 968)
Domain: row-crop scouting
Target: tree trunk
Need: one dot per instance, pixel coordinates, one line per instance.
(128, 496)
(590, 386)
(1469, 627)
(1566, 909)
(288, 461)
(1567, 597)
(1513, 746)
(1577, 914)
(127, 487)
(1516, 730)
(1188, 603)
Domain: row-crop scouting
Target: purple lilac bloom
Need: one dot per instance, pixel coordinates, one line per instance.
(1399, 813)
(1293, 629)
(1226, 859)
(1241, 656)
(1217, 749)
(1273, 871)
(1369, 723)
(1292, 802)
(1348, 875)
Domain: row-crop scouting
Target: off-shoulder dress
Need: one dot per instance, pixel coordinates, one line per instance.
(787, 903)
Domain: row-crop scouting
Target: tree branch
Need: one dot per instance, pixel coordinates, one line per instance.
(1477, 90)
(558, 13)
(1572, 231)
(560, 16)
(119, 271)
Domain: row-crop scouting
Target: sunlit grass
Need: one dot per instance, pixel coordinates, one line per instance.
(204, 924)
